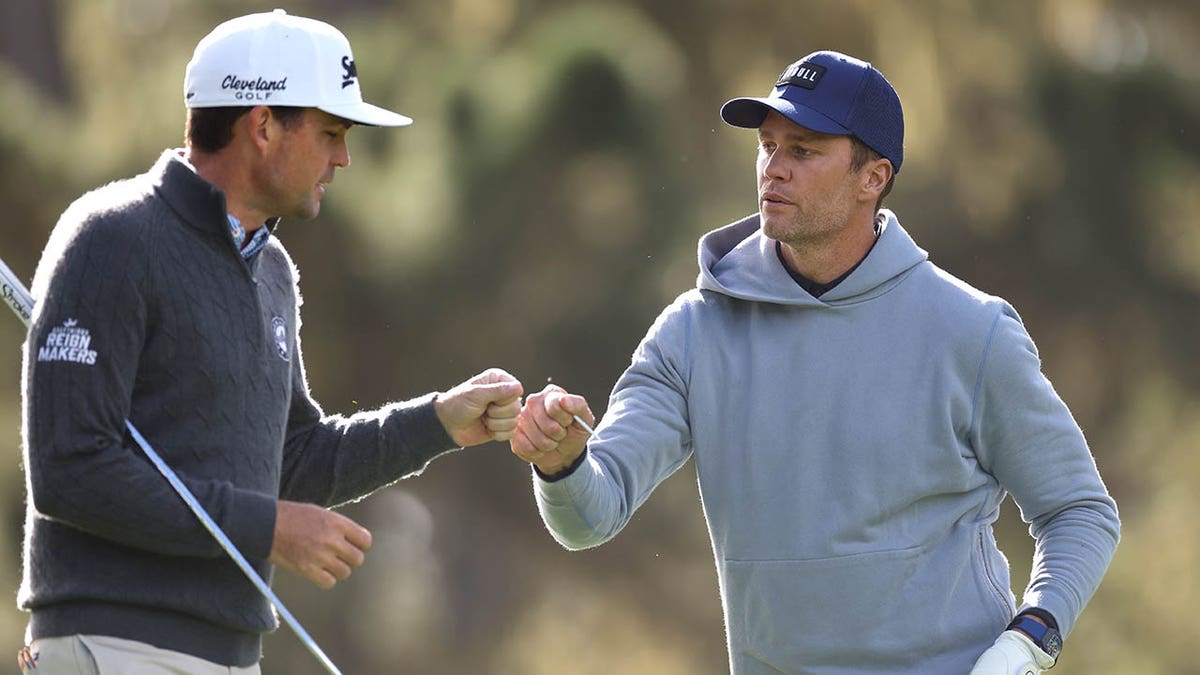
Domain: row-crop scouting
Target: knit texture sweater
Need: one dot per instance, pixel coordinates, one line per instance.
(147, 312)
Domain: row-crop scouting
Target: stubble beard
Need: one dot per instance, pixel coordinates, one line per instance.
(803, 228)
(304, 206)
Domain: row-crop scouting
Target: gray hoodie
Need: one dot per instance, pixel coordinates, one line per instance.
(852, 454)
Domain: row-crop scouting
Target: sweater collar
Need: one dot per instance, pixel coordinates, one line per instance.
(198, 202)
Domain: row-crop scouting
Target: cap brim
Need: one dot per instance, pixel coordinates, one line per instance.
(749, 113)
(365, 113)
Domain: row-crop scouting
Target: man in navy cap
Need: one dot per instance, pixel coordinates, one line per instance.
(857, 416)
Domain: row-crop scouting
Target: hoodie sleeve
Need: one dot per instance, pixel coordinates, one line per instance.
(642, 439)
(1027, 438)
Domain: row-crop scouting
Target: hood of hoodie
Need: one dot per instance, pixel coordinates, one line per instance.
(739, 261)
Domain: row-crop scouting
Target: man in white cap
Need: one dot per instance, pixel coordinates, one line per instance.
(165, 300)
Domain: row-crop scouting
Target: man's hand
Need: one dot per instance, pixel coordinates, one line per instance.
(316, 543)
(547, 435)
(484, 408)
(1012, 654)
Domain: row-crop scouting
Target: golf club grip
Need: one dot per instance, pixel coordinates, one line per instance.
(15, 294)
(19, 299)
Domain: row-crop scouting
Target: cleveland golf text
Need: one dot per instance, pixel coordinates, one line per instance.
(257, 89)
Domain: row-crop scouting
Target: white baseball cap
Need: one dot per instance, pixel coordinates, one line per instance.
(280, 60)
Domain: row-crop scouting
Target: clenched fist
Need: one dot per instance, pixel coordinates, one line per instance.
(484, 408)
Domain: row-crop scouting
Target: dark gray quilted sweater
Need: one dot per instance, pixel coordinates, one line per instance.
(148, 312)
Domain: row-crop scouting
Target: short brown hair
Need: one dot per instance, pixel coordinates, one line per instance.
(860, 154)
(211, 129)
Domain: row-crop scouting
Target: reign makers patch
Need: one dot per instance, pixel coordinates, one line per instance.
(279, 331)
(69, 343)
(805, 75)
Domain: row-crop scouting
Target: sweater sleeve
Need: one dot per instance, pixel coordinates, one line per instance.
(1027, 439)
(81, 364)
(333, 459)
(643, 438)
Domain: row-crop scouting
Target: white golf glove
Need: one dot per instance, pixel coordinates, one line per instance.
(1013, 654)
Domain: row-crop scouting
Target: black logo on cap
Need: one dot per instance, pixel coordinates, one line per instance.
(351, 71)
(252, 89)
(805, 75)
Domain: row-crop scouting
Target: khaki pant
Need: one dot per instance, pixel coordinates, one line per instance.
(103, 655)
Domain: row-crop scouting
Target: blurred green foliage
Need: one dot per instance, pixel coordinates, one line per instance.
(545, 206)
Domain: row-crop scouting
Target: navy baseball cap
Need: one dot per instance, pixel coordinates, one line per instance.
(831, 93)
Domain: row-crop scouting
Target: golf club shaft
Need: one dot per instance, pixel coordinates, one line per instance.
(585, 425)
(15, 294)
(18, 298)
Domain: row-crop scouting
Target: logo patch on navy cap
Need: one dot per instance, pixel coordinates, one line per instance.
(805, 75)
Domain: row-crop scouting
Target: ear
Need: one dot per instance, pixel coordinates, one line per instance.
(259, 126)
(876, 175)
